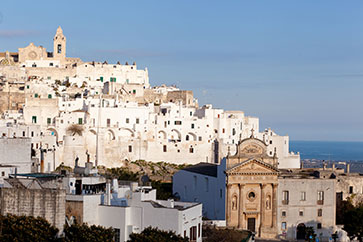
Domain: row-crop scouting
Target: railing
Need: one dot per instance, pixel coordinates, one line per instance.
(285, 202)
(320, 202)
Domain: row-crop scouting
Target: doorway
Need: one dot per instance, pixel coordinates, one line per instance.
(251, 224)
(300, 232)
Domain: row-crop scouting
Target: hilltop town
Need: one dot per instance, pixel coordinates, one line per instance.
(64, 121)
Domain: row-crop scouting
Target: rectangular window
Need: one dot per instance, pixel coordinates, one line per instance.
(177, 122)
(285, 197)
(200, 138)
(192, 126)
(23, 133)
(350, 189)
(320, 212)
(59, 48)
(318, 226)
(127, 120)
(117, 235)
(303, 196)
(320, 197)
(34, 119)
(101, 78)
(206, 184)
(301, 213)
(195, 182)
(283, 225)
(137, 120)
(108, 122)
(164, 148)
(283, 213)
(191, 150)
(80, 121)
(223, 131)
(134, 91)
(130, 148)
(49, 120)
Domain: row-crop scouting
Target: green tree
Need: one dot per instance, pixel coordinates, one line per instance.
(85, 233)
(212, 234)
(155, 235)
(353, 222)
(310, 234)
(26, 228)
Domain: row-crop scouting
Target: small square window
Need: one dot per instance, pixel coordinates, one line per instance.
(301, 213)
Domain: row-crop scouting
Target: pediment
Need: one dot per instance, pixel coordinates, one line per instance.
(251, 147)
(252, 166)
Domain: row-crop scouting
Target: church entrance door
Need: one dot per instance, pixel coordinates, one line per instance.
(300, 232)
(251, 224)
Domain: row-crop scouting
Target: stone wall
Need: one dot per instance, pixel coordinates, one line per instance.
(45, 203)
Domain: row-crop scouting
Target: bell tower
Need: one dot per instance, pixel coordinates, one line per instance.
(59, 49)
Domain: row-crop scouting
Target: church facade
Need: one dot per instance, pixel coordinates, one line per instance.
(251, 193)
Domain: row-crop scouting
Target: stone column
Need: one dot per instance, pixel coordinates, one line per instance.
(274, 204)
(262, 207)
(240, 207)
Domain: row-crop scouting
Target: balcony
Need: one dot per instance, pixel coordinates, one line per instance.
(285, 202)
(320, 202)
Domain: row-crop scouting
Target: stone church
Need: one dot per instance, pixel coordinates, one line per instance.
(39, 53)
(252, 180)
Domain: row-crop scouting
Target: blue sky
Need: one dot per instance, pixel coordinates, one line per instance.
(297, 65)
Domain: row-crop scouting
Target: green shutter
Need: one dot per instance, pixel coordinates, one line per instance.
(101, 78)
(36, 95)
(49, 95)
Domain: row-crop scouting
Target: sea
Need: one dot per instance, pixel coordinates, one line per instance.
(328, 150)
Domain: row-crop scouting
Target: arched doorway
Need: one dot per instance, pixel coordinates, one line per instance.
(300, 232)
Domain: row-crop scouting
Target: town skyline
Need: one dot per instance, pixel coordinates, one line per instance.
(300, 76)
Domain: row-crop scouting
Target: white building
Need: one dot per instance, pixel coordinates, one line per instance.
(204, 183)
(15, 156)
(115, 105)
(131, 209)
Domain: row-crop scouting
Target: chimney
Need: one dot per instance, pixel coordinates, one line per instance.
(348, 168)
(333, 167)
(171, 201)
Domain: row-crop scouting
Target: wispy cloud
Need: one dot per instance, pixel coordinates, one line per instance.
(17, 33)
